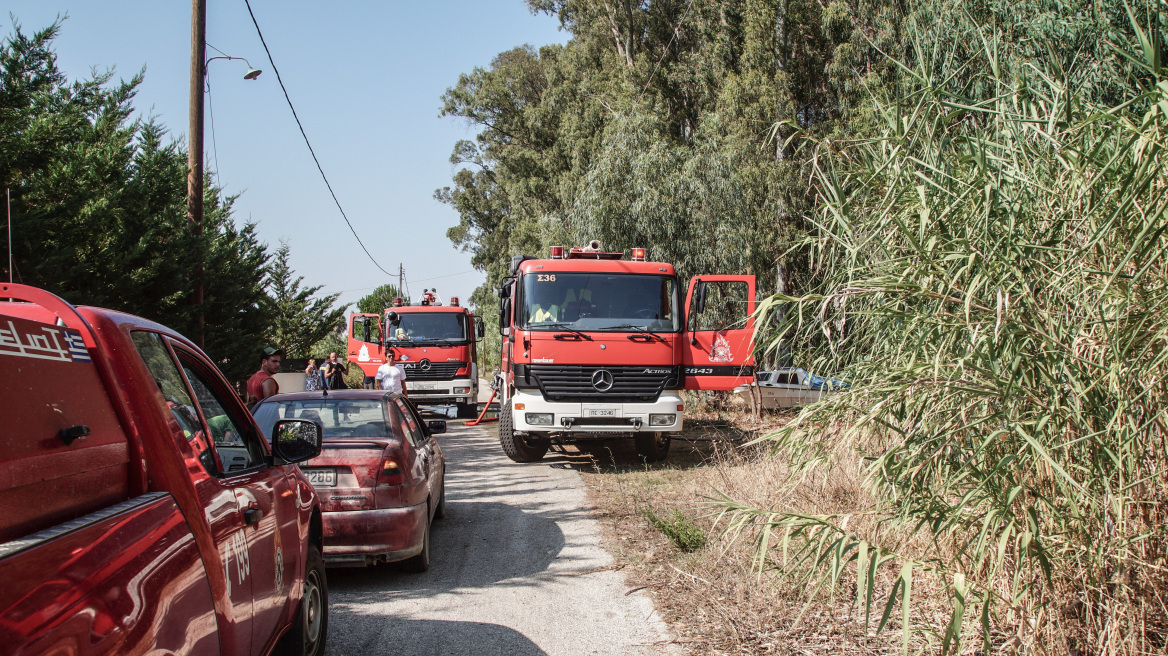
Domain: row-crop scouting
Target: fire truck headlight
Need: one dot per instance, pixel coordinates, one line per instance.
(462, 390)
(662, 420)
(539, 418)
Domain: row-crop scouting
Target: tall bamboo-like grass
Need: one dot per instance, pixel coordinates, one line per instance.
(993, 285)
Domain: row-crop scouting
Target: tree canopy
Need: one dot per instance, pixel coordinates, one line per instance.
(99, 208)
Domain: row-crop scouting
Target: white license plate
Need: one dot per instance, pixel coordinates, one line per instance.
(601, 412)
(421, 386)
(322, 477)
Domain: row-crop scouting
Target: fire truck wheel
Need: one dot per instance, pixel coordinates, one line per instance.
(519, 448)
(468, 410)
(652, 447)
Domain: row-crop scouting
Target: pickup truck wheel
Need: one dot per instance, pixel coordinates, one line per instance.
(519, 448)
(308, 632)
(652, 447)
(421, 562)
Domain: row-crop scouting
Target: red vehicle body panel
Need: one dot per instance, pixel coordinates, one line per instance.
(74, 612)
(189, 550)
(616, 348)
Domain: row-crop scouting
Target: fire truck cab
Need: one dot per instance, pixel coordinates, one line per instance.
(435, 344)
(597, 345)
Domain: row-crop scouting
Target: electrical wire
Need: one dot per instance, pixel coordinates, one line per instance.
(308, 143)
(214, 145)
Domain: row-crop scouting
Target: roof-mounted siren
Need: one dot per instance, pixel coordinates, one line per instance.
(430, 297)
(453, 301)
(558, 253)
(638, 255)
(397, 301)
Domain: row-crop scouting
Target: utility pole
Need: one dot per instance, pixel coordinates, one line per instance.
(195, 150)
(401, 274)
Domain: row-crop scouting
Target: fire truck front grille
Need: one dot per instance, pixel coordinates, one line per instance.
(598, 383)
(436, 370)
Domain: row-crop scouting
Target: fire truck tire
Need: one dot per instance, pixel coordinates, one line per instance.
(467, 410)
(519, 448)
(652, 447)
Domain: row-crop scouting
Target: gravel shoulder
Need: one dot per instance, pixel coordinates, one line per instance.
(518, 567)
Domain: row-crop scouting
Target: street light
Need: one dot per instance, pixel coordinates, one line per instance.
(251, 74)
(195, 142)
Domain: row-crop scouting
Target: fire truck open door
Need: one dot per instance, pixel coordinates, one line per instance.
(718, 341)
(364, 337)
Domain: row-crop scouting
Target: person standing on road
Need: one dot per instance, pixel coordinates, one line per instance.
(261, 385)
(311, 379)
(391, 377)
(334, 372)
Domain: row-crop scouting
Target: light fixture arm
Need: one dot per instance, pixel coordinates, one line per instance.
(252, 72)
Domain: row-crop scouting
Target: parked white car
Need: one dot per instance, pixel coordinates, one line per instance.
(788, 387)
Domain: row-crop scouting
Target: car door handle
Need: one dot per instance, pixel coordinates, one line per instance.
(253, 515)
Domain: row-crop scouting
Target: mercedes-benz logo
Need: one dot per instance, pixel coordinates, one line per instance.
(424, 365)
(602, 380)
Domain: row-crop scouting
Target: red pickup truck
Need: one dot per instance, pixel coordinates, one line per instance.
(141, 510)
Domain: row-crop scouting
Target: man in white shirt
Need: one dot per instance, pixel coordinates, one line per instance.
(391, 377)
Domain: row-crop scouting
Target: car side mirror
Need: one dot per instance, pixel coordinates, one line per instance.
(436, 426)
(296, 440)
(480, 329)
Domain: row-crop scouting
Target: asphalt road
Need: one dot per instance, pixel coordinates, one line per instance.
(517, 569)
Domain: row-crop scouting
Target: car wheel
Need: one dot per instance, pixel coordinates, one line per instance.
(421, 562)
(520, 448)
(440, 509)
(309, 631)
(652, 447)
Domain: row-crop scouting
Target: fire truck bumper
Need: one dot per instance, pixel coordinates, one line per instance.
(533, 414)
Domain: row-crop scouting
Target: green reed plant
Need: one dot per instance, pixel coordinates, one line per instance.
(992, 283)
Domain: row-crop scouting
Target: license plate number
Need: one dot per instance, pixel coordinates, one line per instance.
(602, 412)
(421, 386)
(322, 477)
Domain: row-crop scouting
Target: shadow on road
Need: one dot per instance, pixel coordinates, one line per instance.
(428, 638)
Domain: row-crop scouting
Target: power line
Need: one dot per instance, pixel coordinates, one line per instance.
(308, 143)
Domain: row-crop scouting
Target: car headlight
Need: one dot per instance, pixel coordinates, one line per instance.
(539, 418)
(662, 420)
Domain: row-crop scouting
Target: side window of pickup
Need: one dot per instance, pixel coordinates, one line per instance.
(235, 445)
(174, 391)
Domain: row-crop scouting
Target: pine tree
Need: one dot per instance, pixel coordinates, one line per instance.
(298, 320)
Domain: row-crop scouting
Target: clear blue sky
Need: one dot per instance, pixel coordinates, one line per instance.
(366, 78)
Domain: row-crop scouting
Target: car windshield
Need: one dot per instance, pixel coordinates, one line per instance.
(598, 302)
(337, 417)
(442, 327)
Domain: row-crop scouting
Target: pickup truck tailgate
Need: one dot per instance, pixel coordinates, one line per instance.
(125, 579)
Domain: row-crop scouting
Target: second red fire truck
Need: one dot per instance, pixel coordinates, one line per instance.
(434, 343)
(597, 346)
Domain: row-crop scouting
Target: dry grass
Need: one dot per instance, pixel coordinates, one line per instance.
(715, 599)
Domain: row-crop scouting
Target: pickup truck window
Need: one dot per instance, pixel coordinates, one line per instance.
(169, 382)
(234, 445)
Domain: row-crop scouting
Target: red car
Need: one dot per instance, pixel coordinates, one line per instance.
(380, 475)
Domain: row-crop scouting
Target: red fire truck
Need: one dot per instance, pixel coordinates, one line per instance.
(434, 343)
(599, 346)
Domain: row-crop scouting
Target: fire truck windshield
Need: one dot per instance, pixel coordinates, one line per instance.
(598, 302)
(430, 327)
